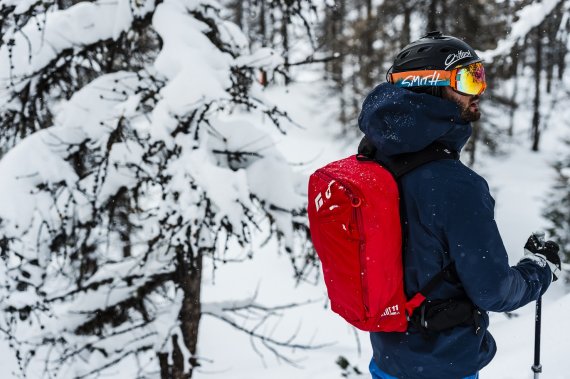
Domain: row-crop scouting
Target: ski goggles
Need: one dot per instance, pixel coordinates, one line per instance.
(468, 80)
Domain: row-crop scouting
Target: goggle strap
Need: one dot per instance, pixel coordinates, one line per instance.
(429, 78)
(424, 78)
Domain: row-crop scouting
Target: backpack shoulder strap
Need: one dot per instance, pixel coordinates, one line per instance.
(400, 165)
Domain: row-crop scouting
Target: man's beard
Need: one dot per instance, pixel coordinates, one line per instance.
(468, 115)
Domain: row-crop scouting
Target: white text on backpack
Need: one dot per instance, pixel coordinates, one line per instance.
(391, 311)
(319, 198)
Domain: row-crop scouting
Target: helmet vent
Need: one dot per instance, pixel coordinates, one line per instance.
(424, 48)
(404, 54)
(445, 50)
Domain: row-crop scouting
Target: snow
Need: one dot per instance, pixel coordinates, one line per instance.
(274, 170)
(109, 126)
(38, 44)
(515, 339)
(519, 182)
(529, 17)
(21, 5)
(262, 58)
(21, 176)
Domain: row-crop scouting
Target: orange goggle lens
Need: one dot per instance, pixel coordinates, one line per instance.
(468, 80)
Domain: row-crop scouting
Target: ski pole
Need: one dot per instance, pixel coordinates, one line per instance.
(537, 367)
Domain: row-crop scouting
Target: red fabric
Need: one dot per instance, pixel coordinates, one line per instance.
(355, 227)
(414, 302)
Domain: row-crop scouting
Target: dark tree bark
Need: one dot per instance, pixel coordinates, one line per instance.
(337, 65)
(285, 40)
(189, 276)
(262, 24)
(432, 23)
(368, 46)
(238, 13)
(164, 368)
(536, 102)
(472, 145)
(191, 312)
(406, 28)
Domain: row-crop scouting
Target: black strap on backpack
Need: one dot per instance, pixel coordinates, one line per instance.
(432, 315)
(400, 165)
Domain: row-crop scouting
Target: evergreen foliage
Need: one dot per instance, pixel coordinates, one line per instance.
(557, 210)
(136, 152)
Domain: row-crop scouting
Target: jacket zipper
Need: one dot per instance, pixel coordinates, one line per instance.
(357, 215)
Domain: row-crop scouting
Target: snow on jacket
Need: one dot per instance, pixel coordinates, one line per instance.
(449, 214)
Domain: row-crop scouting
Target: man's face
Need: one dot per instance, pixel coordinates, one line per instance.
(468, 105)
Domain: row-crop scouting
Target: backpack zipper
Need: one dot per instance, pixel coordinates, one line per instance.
(357, 215)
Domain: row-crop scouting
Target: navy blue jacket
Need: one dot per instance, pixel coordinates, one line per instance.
(449, 215)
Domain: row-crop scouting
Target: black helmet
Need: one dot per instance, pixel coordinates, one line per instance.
(434, 51)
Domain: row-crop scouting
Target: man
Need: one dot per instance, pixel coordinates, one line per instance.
(432, 96)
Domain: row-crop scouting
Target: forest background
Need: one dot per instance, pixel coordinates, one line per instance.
(154, 157)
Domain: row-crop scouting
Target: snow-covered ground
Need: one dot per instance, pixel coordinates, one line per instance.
(519, 182)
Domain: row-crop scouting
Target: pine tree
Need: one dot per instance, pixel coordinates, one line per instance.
(279, 24)
(135, 156)
(557, 210)
(536, 45)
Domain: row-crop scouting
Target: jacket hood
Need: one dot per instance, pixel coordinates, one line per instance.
(398, 121)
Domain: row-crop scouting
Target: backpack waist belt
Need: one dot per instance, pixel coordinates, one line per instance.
(439, 315)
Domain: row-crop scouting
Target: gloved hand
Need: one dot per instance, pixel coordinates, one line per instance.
(547, 252)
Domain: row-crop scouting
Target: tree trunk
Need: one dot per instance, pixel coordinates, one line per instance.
(189, 275)
(368, 49)
(262, 24)
(238, 13)
(536, 103)
(337, 65)
(163, 362)
(406, 28)
(285, 38)
(191, 311)
(514, 95)
(472, 146)
(444, 21)
(432, 16)
(551, 47)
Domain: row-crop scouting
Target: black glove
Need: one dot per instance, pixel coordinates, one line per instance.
(547, 251)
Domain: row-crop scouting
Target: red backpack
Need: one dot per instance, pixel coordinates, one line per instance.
(354, 217)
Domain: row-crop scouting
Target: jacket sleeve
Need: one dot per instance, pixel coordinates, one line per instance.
(477, 249)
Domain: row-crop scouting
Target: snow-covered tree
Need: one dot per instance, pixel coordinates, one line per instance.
(136, 150)
(526, 62)
(557, 210)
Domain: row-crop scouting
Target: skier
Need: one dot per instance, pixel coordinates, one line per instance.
(432, 95)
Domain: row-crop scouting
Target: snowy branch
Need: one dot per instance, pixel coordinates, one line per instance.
(248, 310)
(529, 18)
